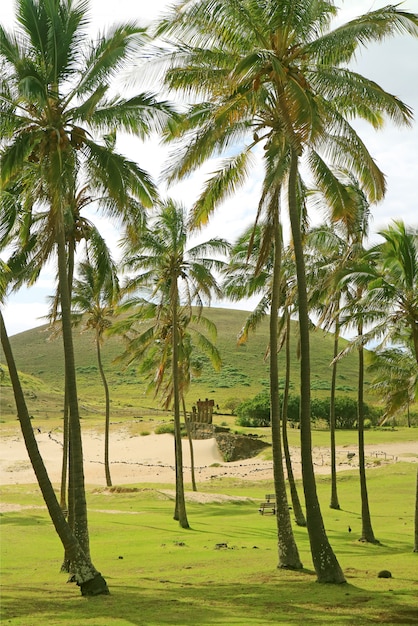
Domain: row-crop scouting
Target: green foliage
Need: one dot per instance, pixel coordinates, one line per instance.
(229, 377)
(256, 411)
(231, 404)
(244, 368)
(163, 429)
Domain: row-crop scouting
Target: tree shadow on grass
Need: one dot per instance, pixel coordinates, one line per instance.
(277, 598)
(24, 520)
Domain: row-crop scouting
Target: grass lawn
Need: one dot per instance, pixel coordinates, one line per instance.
(160, 574)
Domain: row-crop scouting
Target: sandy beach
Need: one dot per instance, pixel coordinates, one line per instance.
(150, 459)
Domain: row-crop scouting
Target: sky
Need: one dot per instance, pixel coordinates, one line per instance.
(392, 64)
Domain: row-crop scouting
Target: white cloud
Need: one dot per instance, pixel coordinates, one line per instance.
(392, 64)
(20, 316)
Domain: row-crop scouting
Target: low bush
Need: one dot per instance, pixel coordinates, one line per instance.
(256, 411)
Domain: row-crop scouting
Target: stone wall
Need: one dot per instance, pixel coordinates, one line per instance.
(239, 447)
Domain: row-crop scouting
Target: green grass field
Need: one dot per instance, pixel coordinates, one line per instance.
(159, 574)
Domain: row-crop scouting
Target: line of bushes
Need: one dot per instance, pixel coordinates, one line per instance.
(256, 411)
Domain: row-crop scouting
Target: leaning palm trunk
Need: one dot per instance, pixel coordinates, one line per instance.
(180, 508)
(325, 562)
(107, 409)
(75, 447)
(366, 522)
(288, 551)
(334, 504)
(297, 509)
(87, 577)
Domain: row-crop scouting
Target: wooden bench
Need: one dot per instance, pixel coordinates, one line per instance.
(269, 505)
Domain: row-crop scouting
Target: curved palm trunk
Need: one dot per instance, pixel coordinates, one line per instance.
(107, 419)
(288, 551)
(325, 562)
(297, 508)
(87, 577)
(76, 449)
(334, 504)
(189, 437)
(180, 508)
(366, 522)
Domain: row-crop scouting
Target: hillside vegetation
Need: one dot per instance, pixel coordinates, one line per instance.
(244, 372)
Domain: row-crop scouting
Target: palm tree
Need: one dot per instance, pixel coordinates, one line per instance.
(244, 278)
(354, 314)
(392, 283)
(273, 70)
(95, 295)
(175, 277)
(326, 250)
(331, 250)
(385, 291)
(54, 109)
(90, 581)
(395, 379)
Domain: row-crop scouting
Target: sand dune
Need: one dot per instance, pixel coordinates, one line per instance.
(150, 459)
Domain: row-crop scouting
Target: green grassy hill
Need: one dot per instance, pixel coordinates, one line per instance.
(244, 372)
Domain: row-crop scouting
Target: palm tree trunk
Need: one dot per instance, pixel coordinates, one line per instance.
(288, 551)
(64, 467)
(65, 503)
(180, 510)
(87, 577)
(107, 419)
(334, 504)
(76, 448)
(325, 562)
(366, 522)
(189, 437)
(297, 508)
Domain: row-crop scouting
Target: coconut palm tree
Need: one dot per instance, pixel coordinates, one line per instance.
(325, 252)
(90, 581)
(385, 291)
(55, 108)
(353, 314)
(395, 379)
(331, 249)
(244, 278)
(392, 286)
(176, 277)
(275, 71)
(96, 293)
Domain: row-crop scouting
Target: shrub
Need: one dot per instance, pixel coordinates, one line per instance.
(165, 428)
(231, 404)
(255, 412)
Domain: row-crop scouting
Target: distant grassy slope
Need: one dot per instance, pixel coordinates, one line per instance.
(244, 372)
